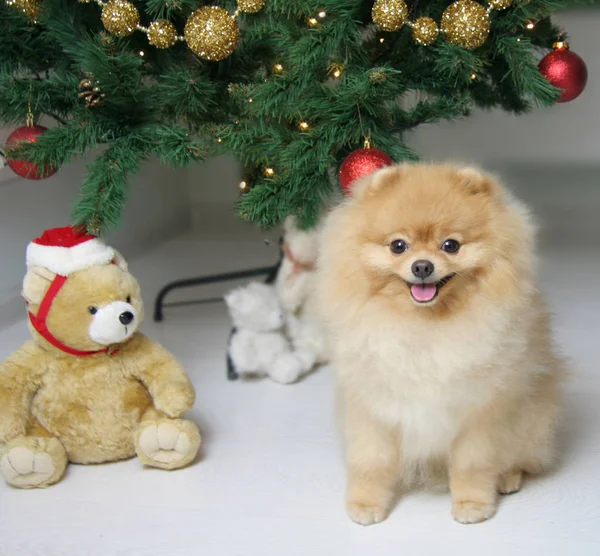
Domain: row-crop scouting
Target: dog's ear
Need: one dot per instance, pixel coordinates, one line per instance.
(476, 182)
(36, 284)
(371, 185)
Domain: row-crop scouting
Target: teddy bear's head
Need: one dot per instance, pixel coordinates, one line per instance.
(255, 307)
(85, 309)
(302, 244)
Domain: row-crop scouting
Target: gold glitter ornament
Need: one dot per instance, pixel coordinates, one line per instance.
(30, 8)
(499, 4)
(425, 31)
(251, 6)
(162, 33)
(466, 24)
(120, 17)
(389, 15)
(212, 33)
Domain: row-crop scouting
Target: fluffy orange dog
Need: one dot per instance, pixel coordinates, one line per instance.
(441, 341)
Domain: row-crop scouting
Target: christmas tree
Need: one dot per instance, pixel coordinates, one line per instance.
(289, 87)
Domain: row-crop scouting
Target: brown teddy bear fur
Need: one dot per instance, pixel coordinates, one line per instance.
(56, 407)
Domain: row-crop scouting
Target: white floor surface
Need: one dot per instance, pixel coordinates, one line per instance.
(270, 480)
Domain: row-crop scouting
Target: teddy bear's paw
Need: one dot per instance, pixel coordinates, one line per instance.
(33, 462)
(286, 369)
(167, 443)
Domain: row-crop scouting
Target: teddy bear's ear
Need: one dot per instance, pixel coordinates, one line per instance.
(235, 299)
(120, 261)
(36, 284)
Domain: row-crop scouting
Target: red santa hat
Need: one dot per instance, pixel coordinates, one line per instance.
(67, 250)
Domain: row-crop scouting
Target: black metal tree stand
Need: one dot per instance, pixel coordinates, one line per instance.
(160, 304)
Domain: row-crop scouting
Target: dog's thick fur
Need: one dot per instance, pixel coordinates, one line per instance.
(467, 385)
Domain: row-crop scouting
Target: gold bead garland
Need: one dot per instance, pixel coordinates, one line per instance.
(499, 4)
(390, 15)
(211, 32)
(425, 31)
(162, 33)
(30, 8)
(465, 23)
(120, 18)
(251, 6)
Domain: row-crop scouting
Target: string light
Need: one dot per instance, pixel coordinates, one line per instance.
(313, 22)
(381, 40)
(473, 76)
(322, 14)
(530, 25)
(278, 68)
(142, 53)
(219, 140)
(303, 126)
(269, 172)
(250, 99)
(243, 185)
(336, 70)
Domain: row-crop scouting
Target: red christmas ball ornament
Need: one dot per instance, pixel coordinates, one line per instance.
(24, 168)
(565, 70)
(361, 162)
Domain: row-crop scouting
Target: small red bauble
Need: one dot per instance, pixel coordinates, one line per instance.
(24, 168)
(360, 163)
(565, 70)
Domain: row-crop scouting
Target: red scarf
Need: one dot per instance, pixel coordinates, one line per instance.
(297, 265)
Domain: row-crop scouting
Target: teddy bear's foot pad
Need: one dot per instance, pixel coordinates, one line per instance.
(32, 462)
(167, 443)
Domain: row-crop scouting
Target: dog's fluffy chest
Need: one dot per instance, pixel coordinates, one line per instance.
(426, 379)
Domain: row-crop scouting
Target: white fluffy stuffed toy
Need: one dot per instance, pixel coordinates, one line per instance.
(295, 285)
(257, 345)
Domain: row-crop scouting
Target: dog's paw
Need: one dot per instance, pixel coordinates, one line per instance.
(510, 482)
(472, 512)
(366, 514)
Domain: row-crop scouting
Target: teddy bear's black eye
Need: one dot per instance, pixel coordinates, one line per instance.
(92, 310)
(128, 299)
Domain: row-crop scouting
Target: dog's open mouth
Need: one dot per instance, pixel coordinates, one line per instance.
(426, 292)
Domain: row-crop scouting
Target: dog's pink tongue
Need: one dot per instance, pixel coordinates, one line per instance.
(423, 292)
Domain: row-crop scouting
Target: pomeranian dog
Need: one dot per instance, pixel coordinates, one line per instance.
(440, 339)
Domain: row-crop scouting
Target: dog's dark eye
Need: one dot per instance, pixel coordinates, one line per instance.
(128, 299)
(450, 246)
(92, 310)
(398, 246)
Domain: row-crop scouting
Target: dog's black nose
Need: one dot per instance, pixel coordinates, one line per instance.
(126, 317)
(422, 269)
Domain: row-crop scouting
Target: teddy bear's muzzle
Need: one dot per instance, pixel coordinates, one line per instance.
(114, 323)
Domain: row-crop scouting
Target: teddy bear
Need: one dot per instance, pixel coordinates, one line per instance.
(257, 345)
(88, 387)
(295, 287)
